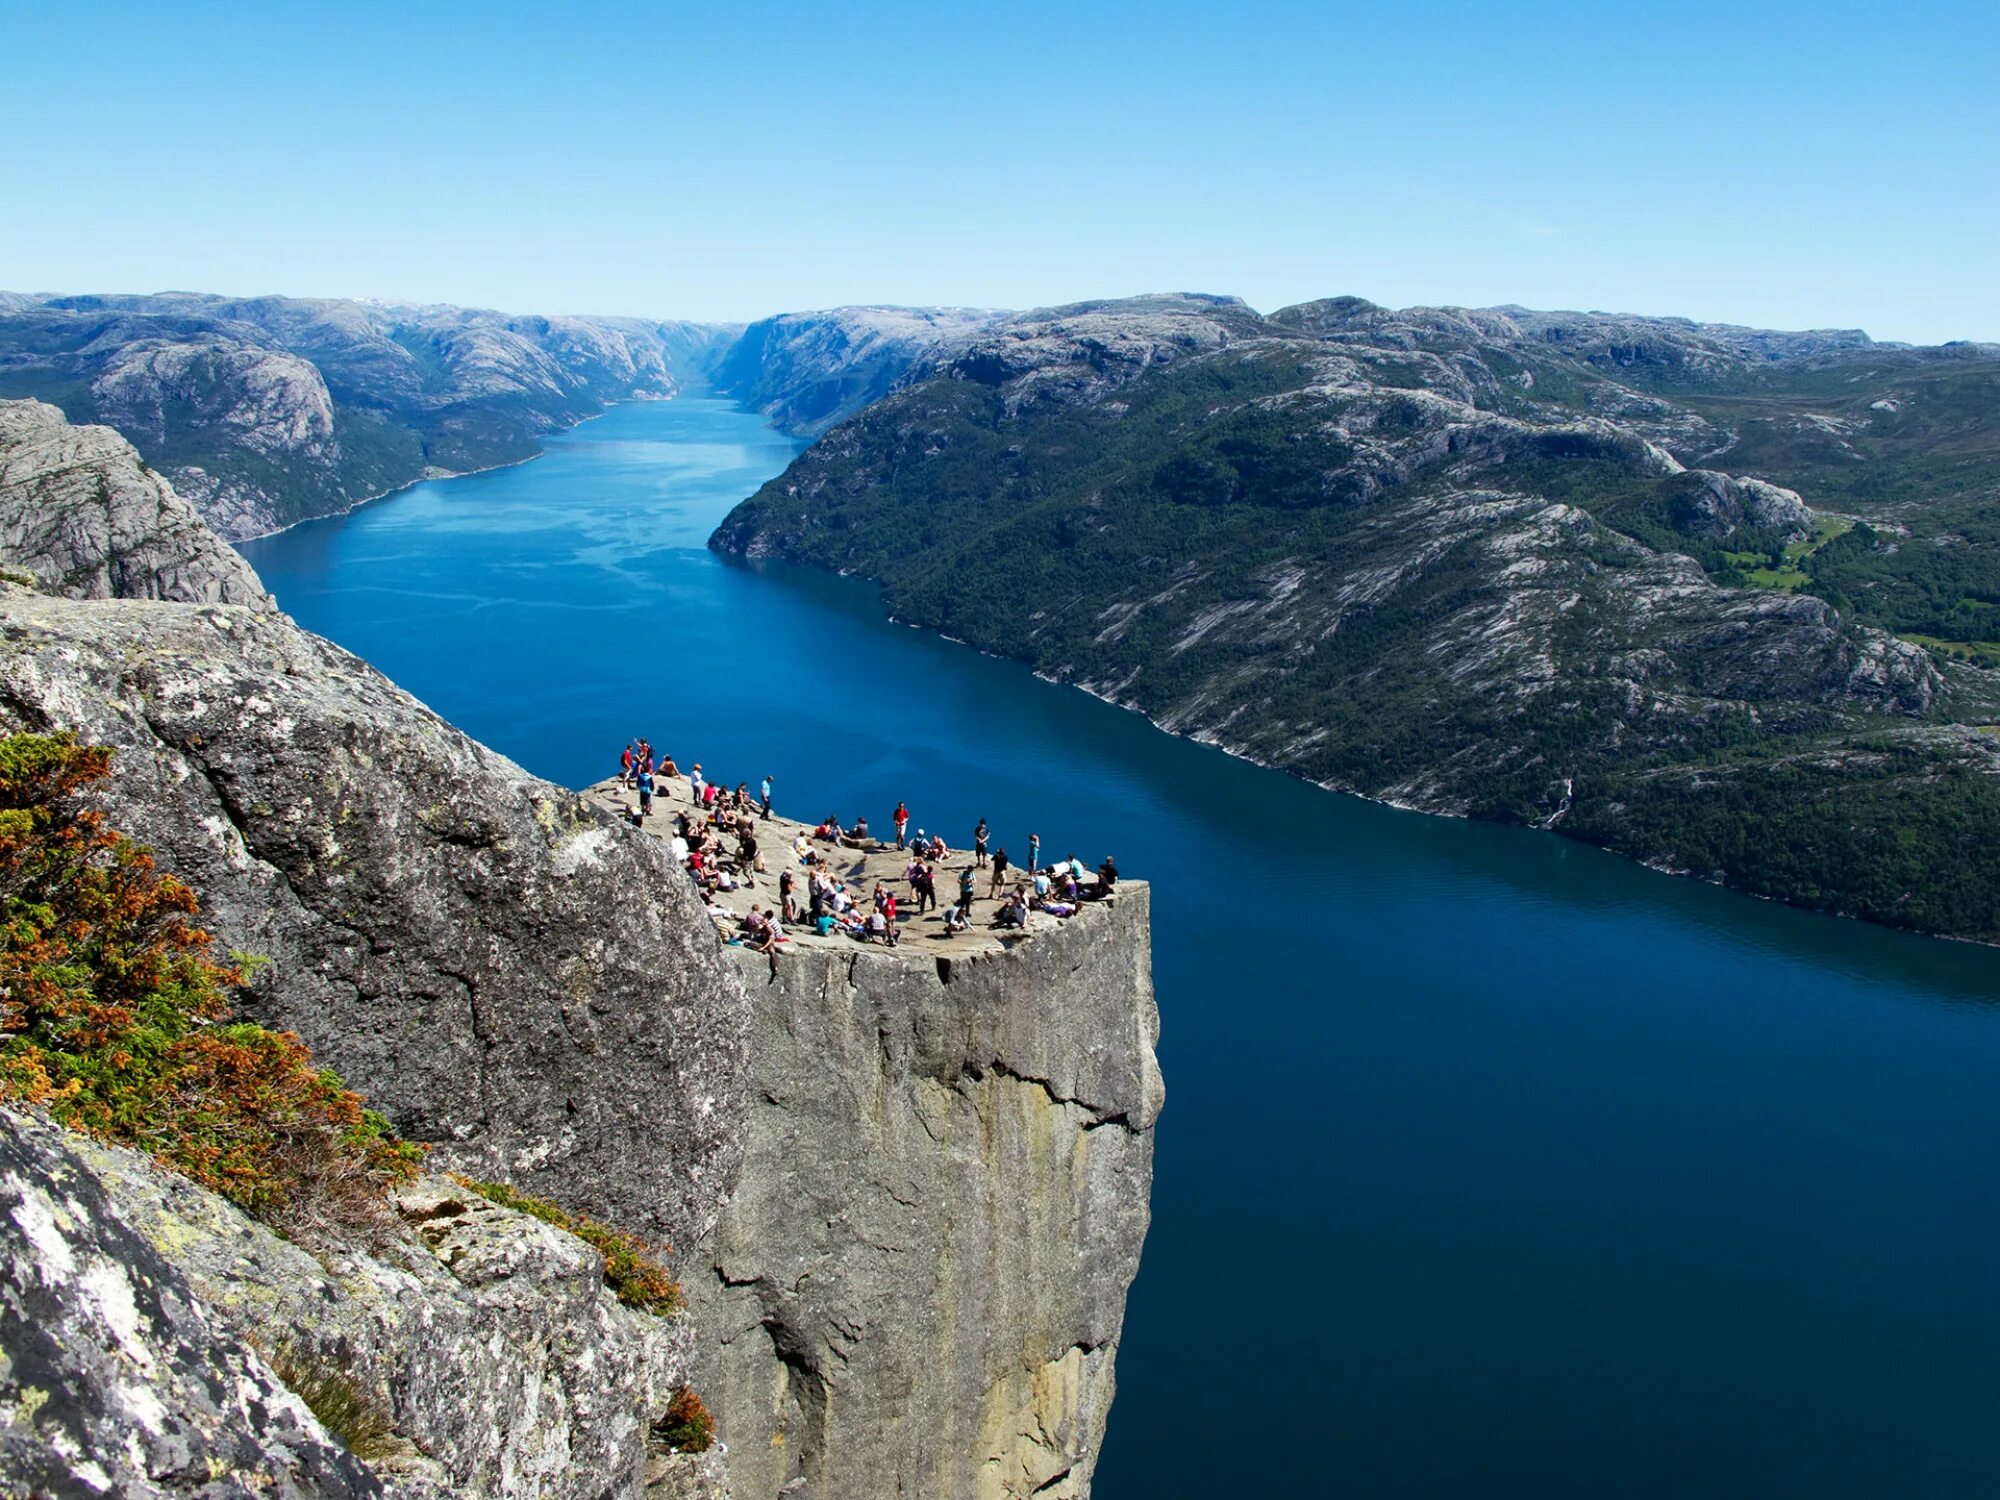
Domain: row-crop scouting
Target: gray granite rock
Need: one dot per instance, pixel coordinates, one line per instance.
(502, 970)
(114, 1377)
(918, 1287)
(492, 1360)
(83, 516)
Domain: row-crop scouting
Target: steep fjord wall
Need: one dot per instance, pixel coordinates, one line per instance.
(917, 1287)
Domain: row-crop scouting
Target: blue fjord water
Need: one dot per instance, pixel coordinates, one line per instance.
(1491, 1165)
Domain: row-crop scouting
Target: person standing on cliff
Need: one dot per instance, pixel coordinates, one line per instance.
(645, 793)
(1034, 852)
(695, 783)
(965, 884)
(765, 793)
(979, 844)
(625, 764)
(902, 817)
(999, 871)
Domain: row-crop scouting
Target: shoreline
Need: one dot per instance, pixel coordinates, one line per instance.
(1201, 738)
(512, 463)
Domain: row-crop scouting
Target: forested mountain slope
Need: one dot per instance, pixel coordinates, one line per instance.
(1633, 578)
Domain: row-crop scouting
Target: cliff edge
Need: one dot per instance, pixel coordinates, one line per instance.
(918, 1284)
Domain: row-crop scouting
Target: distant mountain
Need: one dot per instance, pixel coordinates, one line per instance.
(269, 410)
(807, 371)
(1706, 595)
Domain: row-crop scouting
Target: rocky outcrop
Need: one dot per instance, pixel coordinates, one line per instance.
(498, 967)
(918, 1288)
(114, 1379)
(85, 517)
(154, 1336)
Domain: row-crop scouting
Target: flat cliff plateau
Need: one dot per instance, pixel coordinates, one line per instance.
(907, 1191)
(918, 1285)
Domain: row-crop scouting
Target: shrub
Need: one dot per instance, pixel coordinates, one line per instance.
(114, 1017)
(329, 1392)
(632, 1266)
(686, 1425)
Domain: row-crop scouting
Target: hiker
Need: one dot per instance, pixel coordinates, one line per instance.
(787, 882)
(965, 884)
(999, 871)
(979, 844)
(902, 817)
(668, 770)
(955, 921)
(695, 785)
(1034, 852)
(645, 793)
(768, 936)
(1107, 878)
(857, 836)
(765, 793)
(625, 765)
(925, 884)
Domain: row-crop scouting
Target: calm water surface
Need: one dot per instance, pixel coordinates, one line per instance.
(1491, 1166)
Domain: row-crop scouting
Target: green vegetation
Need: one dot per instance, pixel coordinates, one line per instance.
(114, 1016)
(632, 1267)
(1939, 577)
(1785, 567)
(1978, 653)
(1117, 542)
(686, 1426)
(330, 1393)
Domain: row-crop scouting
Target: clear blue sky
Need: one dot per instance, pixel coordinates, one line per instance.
(1781, 164)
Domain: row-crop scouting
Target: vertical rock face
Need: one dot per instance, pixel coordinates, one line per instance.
(80, 512)
(918, 1287)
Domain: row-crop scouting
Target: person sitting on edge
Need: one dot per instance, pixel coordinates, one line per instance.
(668, 769)
(1107, 877)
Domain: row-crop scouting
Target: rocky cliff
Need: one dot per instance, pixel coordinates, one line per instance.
(919, 1285)
(83, 516)
(528, 984)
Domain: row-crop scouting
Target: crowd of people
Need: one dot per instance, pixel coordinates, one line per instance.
(715, 839)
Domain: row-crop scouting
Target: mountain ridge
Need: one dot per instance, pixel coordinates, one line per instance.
(1441, 558)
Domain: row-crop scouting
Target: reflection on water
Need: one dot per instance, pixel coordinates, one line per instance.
(1492, 1165)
